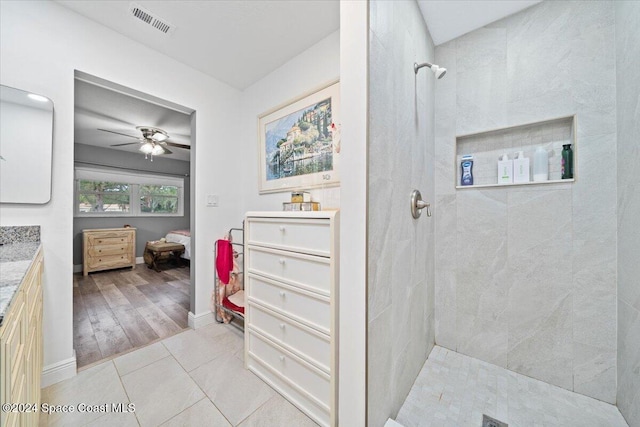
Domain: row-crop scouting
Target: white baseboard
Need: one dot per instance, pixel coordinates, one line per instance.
(200, 320)
(59, 371)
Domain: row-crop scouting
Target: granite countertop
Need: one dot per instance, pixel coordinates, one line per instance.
(15, 260)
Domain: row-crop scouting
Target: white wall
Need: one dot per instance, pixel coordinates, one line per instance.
(627, 15)
(310, 70)
(41, 44)
(354, 29)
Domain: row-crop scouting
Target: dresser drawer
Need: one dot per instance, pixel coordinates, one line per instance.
(109, 261)
(105, 249)
(306, 307)
(310, 236)
(109, 236)
(311, 380)
(109, 240)
(313, 345)
(307, 271)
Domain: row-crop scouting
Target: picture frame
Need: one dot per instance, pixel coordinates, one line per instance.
(299, 143)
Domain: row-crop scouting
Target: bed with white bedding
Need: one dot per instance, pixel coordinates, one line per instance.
(183, 237)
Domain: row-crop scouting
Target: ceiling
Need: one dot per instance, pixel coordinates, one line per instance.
(99, 108)
(448, 19)
(237, 42)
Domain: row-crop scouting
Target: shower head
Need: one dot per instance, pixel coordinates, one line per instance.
(438, 71)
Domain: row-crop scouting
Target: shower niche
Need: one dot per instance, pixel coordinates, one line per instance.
(487, 147)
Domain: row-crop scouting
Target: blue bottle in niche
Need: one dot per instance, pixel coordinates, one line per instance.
(466, 170)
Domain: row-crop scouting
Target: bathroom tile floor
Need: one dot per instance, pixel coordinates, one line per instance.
(454, 390)
(194, 378)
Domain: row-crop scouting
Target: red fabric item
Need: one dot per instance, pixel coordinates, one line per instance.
(231, 306)
(224, 260)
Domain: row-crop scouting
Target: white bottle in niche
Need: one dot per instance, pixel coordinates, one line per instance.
(505, 170)
(520, 169)
(541, 165)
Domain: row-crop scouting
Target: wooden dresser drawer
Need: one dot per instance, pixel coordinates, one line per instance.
(109, 261)
(109, 237)
(316, 382)
(297, 338)
(307, 271)
(306, 307)
(311, 236)
(102, 250)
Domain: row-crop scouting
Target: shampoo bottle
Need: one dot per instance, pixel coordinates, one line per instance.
(505, 170)
(541, 165)
(520, 169)
(466, 170)
(567, 162)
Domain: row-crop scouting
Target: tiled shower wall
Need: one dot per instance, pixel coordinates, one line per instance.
(526, 276)
(400, 248)
(628, 100)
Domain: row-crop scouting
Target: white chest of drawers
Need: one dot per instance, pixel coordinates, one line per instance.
(291, 286)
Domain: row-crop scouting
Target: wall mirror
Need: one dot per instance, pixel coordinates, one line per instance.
(26, 141)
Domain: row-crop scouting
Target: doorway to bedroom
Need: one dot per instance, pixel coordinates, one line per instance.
(132, 248)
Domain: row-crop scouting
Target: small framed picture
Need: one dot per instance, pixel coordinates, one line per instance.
(299, 143)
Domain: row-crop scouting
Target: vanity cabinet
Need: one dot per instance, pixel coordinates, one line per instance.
(21, 349)
(291, 286)
(108, 248)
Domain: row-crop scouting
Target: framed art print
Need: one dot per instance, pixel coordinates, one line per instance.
(299, 143)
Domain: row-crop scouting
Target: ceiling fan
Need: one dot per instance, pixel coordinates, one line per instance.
(154, 141)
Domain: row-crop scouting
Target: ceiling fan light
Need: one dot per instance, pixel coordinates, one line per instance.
(159, 136)
(147, 148)
(157, 150)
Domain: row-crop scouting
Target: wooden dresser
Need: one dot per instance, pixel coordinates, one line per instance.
(291, 320)
(108, 248)
(21, 354)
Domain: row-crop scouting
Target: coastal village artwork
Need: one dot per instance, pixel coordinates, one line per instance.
(299, 143)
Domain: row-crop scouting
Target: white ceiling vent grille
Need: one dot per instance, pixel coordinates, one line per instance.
(149, 18)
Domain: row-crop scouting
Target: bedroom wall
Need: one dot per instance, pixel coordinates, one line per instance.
(42, 58)
(149, 227)
(310, 70)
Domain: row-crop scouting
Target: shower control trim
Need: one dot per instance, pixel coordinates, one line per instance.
(417, 204)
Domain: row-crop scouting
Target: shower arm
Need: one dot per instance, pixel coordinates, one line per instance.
(417, 66)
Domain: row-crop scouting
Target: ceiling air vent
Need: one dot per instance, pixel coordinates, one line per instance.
(149, 18)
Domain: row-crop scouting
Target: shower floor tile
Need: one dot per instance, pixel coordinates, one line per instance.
(454, 390)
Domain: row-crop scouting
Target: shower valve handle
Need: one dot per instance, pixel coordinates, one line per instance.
(417, 204)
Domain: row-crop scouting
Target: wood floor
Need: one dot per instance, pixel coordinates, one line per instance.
(119, 310)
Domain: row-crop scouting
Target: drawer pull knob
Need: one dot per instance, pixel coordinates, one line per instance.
(282, 228)
(282, 294)
(282, 358)
(282, 261)
(282, 325)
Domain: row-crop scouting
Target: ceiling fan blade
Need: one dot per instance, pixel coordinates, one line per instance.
(175, 144)
(167, 151)
(120, 145)
(123, 134)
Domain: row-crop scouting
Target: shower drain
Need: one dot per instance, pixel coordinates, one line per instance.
(487, 421)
